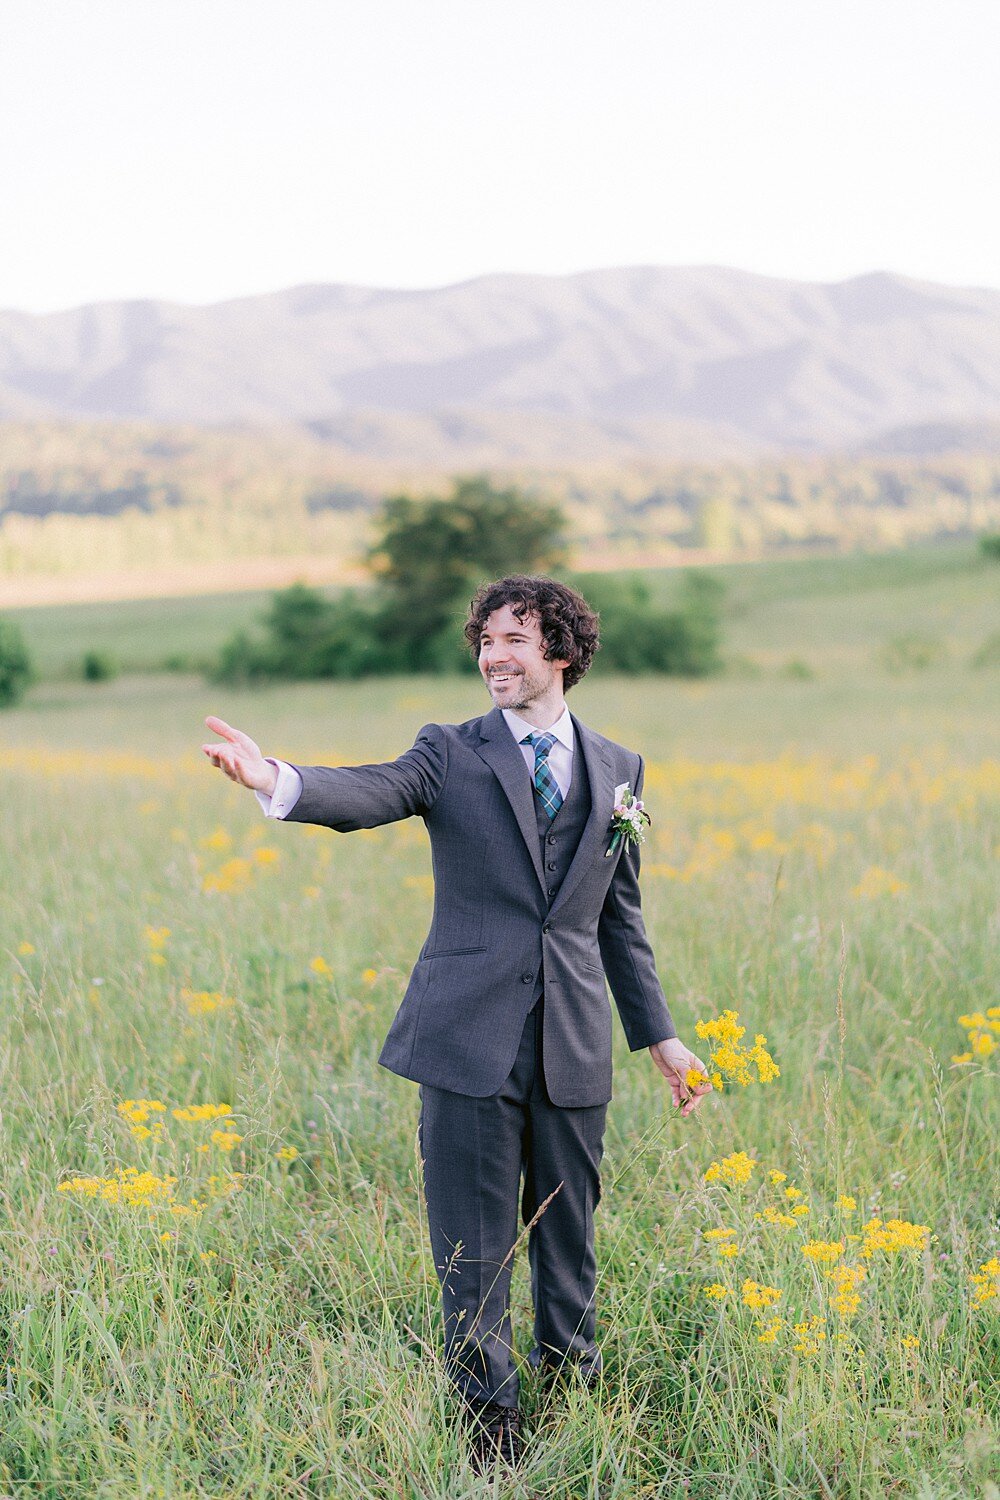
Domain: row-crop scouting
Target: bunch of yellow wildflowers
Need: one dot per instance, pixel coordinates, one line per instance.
(156, 937)
(735, 1170)
(730, 1060)
(756, 1295)
(987, 1283)
(824, 1251)
(846, 1299)
(981, 1029)
(893, 1237)
(203, 1002)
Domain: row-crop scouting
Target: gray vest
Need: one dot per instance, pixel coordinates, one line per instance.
(559, 836)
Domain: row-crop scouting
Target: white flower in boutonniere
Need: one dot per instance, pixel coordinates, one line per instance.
(626, 823)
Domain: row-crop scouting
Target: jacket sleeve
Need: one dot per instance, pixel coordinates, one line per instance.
(349, 797)
(628, 957)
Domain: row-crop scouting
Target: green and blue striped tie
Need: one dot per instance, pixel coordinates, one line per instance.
(545, 783)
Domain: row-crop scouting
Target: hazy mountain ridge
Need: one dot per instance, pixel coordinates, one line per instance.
(658, 362)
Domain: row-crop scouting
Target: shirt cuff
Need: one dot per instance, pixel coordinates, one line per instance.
(287, 790)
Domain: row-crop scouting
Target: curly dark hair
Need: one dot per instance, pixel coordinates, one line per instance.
(569, 626)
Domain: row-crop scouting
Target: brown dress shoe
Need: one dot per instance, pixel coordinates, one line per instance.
(494, 1435)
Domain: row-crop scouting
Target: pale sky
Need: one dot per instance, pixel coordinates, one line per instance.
(202, 149)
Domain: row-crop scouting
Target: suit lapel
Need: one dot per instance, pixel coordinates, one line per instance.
(500, 752)
(598, 825)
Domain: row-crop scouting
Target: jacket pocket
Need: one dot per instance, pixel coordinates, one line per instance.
(454, 952)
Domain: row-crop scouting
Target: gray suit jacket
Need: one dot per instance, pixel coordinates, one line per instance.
(496, 941)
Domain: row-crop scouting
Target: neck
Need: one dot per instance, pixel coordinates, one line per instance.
(543, 713)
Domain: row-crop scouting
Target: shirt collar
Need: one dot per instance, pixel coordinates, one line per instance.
(562, 728)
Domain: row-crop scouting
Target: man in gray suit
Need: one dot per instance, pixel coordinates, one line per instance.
(505, 1022)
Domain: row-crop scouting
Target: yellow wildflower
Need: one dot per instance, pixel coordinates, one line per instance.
(729, 1058)
(909, 1341)
(823, 1250)
(893, 1236)
(846, 1203)
(191, 1113)
(774, 1216)
(320, 966)
(769, 1329)
(718, 1234)
(219, 841)
(287, 1153)
(735, 1169)
(25, 949)
(716, 1291)
(225, 1139)
(986, 1282)
(369, 976)
(756, 1295)
(728, 1250)
(266, 856)
(777, 1177)
(203, 1002)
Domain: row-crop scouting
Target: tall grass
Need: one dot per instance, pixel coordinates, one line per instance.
(823, 860)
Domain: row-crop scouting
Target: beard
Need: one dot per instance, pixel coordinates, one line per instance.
(522, 690)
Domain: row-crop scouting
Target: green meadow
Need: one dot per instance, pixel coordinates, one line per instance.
(214, 1271)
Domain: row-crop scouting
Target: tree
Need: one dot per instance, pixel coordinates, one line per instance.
(429, 555)
(16, 671)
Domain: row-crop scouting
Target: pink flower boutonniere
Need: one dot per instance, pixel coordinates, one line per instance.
(627, 822)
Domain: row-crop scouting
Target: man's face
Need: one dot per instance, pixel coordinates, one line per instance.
(512, 660)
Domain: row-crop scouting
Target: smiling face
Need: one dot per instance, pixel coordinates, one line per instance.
(512, 661)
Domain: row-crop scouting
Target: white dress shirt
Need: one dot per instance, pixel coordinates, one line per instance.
(561, 754)
(288, 787)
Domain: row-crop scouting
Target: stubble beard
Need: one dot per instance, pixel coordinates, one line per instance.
(526, 692)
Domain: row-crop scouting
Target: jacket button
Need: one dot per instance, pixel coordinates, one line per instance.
(551, 864)
(526, 978)
(547, 927)
(551, 838)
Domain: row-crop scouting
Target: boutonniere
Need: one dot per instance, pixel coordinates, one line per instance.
(627, 820)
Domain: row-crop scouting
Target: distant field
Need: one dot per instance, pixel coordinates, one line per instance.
(832, 613)
(252, 1311)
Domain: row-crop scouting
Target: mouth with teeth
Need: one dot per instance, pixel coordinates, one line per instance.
(501, 679)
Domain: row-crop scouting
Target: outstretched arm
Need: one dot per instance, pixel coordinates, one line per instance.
(341, 797)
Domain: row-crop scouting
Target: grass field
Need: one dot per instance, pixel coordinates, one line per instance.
(253, 1311)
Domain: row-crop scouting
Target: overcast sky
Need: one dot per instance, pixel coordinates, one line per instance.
(203, 149)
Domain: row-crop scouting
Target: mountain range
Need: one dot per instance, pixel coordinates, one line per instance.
(664, 363)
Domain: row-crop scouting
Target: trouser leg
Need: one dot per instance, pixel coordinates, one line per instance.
(472, 1153)
(563, 1150)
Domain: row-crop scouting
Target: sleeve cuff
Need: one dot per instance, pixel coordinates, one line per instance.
(287, 790)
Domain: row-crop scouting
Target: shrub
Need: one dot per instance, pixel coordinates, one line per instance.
(16, 672)
(637, 637)
(988, 654)
(98, 666)
(911, 653)
(989, 546)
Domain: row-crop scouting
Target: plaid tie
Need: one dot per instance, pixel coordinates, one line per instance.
(545, 783)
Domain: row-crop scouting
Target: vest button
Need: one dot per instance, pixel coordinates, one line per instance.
(551, 838)
(552, 890)
(526, 978)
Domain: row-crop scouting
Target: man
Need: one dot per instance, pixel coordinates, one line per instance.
(505, 1022)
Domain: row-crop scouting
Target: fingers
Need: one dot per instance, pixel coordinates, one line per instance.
(234, 736)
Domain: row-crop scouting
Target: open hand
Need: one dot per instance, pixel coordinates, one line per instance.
(674, 1061)
(240, 757)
